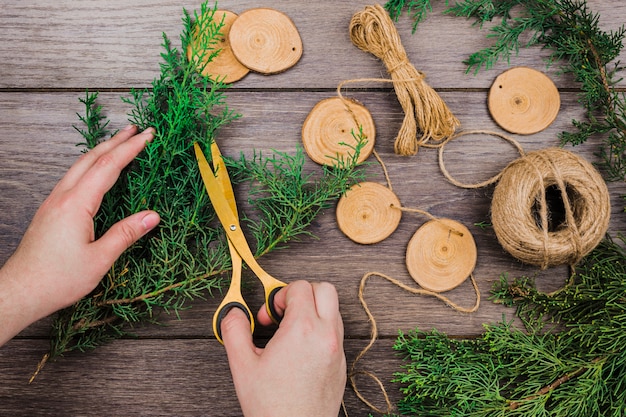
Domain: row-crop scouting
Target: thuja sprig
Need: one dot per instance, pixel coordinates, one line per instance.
(174, 263)
(577, 368)
(97, 127)
(416, 9)
(289, 198)
(187, 256)
(571, 31)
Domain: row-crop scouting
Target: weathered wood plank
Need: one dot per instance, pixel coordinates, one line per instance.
(114, 44)
(162, 377)
(68, 46)
(37, 146)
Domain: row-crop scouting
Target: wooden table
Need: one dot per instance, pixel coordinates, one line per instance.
(52, 51)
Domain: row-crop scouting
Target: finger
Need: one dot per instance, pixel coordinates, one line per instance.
(279, 301)
(327, 305)
(106, 170)
(238, 341)
(122, 235)
(296, 300)
(326, 300)
(78, 169)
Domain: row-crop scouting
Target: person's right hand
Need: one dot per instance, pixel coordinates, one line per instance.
(302, 370)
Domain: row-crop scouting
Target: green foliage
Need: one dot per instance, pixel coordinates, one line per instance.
(572, 32)
(187, 256)
(568, 361)
(289, 198)
(417, 9)
(94, 120)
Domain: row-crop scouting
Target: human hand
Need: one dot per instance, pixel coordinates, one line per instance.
(59, 260)
(302, 370)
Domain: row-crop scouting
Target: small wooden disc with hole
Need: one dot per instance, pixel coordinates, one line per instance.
(224, 66)
(438, 257)
(265, 40)
(365, 215)
(327, 132)
(523, 100)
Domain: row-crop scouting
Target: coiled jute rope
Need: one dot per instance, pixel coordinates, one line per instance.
(520, 211)
(520, 208)
(372, 30)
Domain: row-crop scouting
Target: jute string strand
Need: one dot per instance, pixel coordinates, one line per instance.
(354, 372)
(372, 30)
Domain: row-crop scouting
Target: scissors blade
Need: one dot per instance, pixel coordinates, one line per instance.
(221, 173)
(223, 200)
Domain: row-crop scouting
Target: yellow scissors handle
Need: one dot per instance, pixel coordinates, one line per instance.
(271, 285)
(233, 298)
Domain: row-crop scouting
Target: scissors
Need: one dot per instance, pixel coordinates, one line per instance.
(222, 197)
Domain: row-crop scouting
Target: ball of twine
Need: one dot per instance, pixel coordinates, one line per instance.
(521, 215)
(372, 30)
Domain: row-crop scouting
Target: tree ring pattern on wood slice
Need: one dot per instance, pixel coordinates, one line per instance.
(438, 257)
(225, 66)
(523, 100)
(331, 125)
(365, 213)
(265, 40)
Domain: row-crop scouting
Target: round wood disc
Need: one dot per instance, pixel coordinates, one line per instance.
(523, 100)
(438, 257)
(365, 215)
(265, 40)
(332, 122)
(224, 66)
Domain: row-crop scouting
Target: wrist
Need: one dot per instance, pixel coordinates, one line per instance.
(18, 308)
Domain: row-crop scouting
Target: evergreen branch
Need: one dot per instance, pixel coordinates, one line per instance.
(573, 34)
(187, 256)
(416, 9)
(93, 118)
(577, 368)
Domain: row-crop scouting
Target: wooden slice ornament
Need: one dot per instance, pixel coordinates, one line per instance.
(365, 213)
(332, 122)
(523, 100)
(441, 255)
(225, 65)
(265, 40)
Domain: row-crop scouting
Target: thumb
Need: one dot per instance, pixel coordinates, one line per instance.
(125, 233)
(237, 339)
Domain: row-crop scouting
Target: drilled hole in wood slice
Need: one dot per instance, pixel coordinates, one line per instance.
(330, 123)
(365, 213)
(438, 257)
(225, 65)
(523, 100)
(266, 41)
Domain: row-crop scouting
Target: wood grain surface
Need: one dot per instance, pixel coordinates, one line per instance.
(52, 51)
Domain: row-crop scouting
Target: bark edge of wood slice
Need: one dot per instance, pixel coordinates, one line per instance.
(523, 100)
(365, 213)
(438, 257)
(225, 66)
(265, 40)
(330, 123)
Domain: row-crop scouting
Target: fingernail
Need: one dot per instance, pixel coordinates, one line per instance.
(149, 132)
(129, 127)
(150, 220)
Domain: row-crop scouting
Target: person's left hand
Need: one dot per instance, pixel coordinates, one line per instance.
(59, 260)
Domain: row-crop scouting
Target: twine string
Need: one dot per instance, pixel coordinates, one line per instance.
(520, 212)
(372, 30)
(481, 184)
(354, 372)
